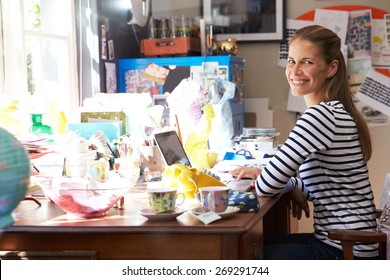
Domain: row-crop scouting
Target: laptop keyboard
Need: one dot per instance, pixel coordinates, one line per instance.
(210, 173)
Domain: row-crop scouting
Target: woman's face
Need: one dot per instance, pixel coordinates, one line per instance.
(307, 71)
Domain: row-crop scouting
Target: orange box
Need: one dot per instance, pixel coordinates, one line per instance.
(170, 46)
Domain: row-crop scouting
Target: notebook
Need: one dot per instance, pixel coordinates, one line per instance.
(172, 151)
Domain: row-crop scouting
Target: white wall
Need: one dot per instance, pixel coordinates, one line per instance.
(167, 8)
(263, 78)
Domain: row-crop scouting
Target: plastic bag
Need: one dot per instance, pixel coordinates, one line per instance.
(222, 125)
(196, 145)
(188, 180)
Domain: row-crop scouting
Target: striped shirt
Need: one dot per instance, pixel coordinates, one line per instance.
(324, 147)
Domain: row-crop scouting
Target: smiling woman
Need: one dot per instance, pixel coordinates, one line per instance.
(38, 66)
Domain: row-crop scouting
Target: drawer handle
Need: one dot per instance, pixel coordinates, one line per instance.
(165, 43)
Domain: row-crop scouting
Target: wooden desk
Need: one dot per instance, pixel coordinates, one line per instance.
(125, 234)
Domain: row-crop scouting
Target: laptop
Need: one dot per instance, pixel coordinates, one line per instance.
(172, 151)
(171, 148)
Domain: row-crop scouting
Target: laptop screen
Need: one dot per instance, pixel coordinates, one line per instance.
(171, 148)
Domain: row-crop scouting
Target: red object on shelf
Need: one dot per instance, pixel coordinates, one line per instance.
(170, 46)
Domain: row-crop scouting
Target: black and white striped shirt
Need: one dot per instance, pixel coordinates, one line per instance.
(324, 146)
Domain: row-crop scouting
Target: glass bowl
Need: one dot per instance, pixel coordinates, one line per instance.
(84, 198)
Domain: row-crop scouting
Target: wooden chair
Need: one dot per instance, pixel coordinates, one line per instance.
(349, 237)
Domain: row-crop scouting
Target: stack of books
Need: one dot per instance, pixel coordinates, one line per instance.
(260, 142)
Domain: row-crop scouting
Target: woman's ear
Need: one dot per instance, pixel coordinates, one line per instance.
(333, 67)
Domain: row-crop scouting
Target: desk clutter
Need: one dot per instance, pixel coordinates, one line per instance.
(255, 143)
(115, 146)
(89, 170)
(88, 177)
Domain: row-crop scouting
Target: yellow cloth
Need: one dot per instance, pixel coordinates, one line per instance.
(187, 180)
(196, 144)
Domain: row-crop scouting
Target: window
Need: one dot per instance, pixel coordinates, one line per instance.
(38, 64)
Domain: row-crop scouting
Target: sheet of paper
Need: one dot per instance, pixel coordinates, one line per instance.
(208, 217)
(110, 77)
(291, 26)
(333, 20)
(380, 46)
(375, 91)
(387, 24)
(357, 70)
(226, 165)
(359, 34)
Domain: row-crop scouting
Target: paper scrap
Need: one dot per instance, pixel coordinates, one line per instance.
(375, 91)
(156, 73)
(110, 77)
(208, 217)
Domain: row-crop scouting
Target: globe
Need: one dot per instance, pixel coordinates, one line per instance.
(14, 176)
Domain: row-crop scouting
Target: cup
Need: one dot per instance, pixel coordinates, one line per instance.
(163, 200)
(214, 199)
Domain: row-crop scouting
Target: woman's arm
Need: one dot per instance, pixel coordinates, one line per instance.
(245, 172)
(313, 132)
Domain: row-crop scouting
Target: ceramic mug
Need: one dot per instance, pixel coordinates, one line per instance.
(163, 200)
(214, 199)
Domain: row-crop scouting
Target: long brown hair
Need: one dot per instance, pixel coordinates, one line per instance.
(337, 87)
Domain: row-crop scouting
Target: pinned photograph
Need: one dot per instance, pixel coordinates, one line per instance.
(111, 54)
(104, 33)
(156, 73)
(104, 50)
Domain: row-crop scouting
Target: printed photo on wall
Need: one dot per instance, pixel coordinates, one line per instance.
(359, 34)
(111, 53)
(104, 50)
(334, 20)
(104, 33)
(374, 93)
(387, 26)
(379, 51)
(110, 77)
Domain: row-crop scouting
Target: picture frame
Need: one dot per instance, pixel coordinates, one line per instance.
(246, 20)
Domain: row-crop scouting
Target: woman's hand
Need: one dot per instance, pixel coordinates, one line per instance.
(299, 204)
(245, 172)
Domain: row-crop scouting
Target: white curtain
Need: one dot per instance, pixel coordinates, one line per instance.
(13, 80)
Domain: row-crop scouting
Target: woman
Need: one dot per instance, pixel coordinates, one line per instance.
(329, 146)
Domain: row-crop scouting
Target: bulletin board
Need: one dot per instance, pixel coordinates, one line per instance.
(376, 84)
(376, 14)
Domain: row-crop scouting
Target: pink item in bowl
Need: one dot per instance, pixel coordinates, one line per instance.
(81, 198)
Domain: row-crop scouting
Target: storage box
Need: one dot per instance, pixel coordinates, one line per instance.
(170, 46)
